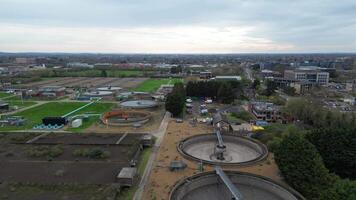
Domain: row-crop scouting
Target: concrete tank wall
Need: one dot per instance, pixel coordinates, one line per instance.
(261, 150)
(208, 186)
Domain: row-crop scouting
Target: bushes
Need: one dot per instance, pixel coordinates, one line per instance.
(45, 151)
(302, 166)
(94, 153)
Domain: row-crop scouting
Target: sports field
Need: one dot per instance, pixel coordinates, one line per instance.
(152, 85)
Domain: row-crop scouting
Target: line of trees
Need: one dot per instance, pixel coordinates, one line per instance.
(312, 113)
(176, 99)
(224, 91)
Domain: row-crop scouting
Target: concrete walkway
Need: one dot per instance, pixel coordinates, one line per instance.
(159, 134)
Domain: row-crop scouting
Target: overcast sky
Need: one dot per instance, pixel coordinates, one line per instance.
(178, 26)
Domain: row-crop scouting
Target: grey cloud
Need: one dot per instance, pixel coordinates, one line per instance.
(300, 22)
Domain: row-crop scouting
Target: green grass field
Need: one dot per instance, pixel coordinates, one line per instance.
(20, 104)
(96, 108)
(151, 85)
(4, 94)
(35, 115)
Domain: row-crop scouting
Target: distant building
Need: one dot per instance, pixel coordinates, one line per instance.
(25, 61)
(103, 65)
(351, 86)
(79, 65)
(205, 75)
(313, 75)
(302, 87)
(228, 78)
(265, 111)
(265, 73)
(51, 91)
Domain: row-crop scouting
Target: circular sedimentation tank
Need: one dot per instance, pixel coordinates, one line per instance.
(209, 186)
(109, 88)
(239, 150)
(125, 117)
(139, 104)
(98, 94)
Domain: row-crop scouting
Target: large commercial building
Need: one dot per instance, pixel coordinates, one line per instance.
(312, 75)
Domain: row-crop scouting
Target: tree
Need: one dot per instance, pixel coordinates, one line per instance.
(256, 83)
(176, 99)
(302, 166)
(176, 70)
(104, 73)
(174, 104)
(341, 190)
(270, 88)
(337, 147)
(225, 93)
(289, 90)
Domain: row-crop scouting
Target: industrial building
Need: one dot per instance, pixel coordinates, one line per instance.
(205, 75)
(265, 111)
(51, 91)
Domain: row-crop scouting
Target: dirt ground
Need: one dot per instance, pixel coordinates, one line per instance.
(18, 163)
(161, 180)
(151, 125)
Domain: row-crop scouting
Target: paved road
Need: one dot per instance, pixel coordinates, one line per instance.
(249, 73)
(159, 134)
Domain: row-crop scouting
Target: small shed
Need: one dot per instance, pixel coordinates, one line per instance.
(4, 106)
(241, 129)
(127, 176)
(220, 122)
(147, 140)
(176, 165)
